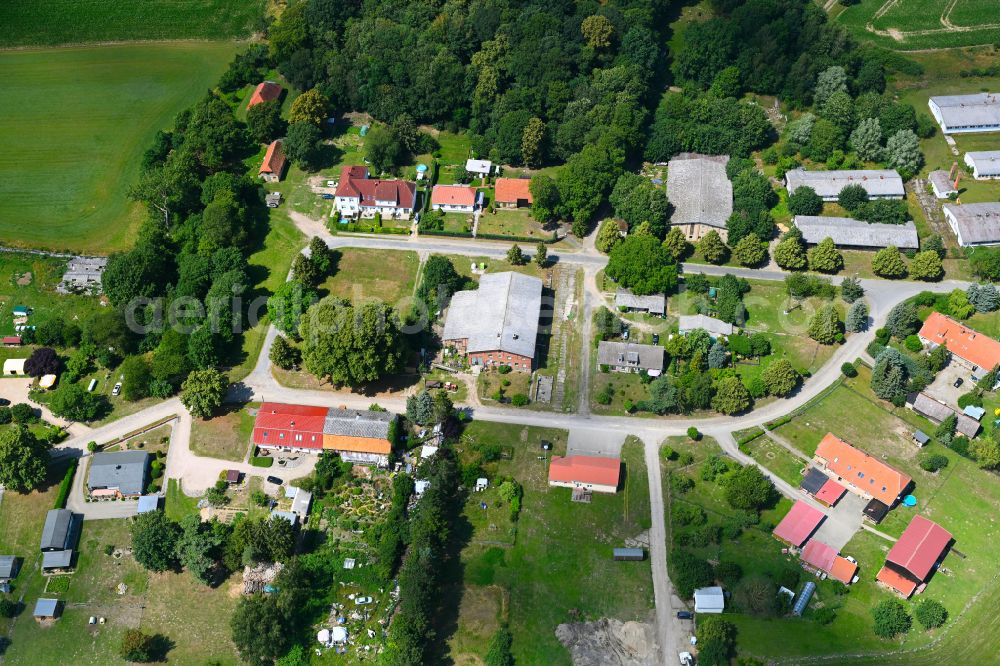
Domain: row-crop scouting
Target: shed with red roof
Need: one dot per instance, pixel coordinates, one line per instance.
(798, 524)
(273, 164)
(12, 341)
(914, 556)
(264, 92)
(597, 473)
(821, 557)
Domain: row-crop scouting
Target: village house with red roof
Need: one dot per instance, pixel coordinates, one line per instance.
(513, 193)
(453, 198)
(264, 92)
(594, 473)
(974, 350)
(358, 195)
(358, 436)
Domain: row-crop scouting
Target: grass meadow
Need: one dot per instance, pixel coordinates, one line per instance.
(76, 134)
(558, 568)
(34, 23)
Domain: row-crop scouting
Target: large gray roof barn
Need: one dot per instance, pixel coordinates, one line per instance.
(501, 315)
(974, 223)
(700, 192)
(978, 112)
(59, 531)
(848, 232)
(358, 423)
(630, 357)
(878, 183)
(124, 471)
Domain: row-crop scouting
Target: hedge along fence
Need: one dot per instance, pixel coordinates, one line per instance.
(353, 227)
(500, 237)
(747, 436)
(135, 433)
(65, 485)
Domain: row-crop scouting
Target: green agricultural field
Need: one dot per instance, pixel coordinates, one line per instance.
(923, 24)
(35, 23)
(76, 134)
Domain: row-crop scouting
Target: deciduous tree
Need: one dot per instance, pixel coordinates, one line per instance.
(888, 263)
(891, 618)
(154, 540)
(780, 378)
(351, 345)
(825, 257)
(641, 264)
(790, 253)
(203, 391)
(805, 201)
(926, 265)
(676, 244)
(711, 247)
(731, 396)
(309, 107)
(23, 459)
(750, 251)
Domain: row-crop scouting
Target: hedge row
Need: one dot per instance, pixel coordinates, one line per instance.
(65, 485)
(362, 229)
(501, 237)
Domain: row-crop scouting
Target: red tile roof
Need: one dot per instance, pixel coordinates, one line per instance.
(512, 190)
(354, 183)
(831, 492)
(843, 570)
(280, 424)
(819, 555)
(274, 159)
(900, 583)
(596, 470)
(919, 547)
(264, 92)
(961, 341)
(12, 339)
(873, 476)
(797, 526)
(453, 195)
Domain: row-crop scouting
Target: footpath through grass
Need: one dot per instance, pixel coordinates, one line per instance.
(50, 22)
(75, 128)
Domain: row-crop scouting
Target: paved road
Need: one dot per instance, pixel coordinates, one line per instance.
(198, 473)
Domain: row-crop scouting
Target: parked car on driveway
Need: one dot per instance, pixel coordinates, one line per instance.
(275, 480)
(685, 615)
(117, 389)
(958, 382)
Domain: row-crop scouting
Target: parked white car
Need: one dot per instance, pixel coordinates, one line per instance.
(363, 601)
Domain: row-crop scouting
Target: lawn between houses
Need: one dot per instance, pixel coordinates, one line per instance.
(558, 566)
(76, 135)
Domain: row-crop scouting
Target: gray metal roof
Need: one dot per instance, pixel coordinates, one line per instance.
(301, 502)
(941, 181)
(8, 566)
(856, 233)
(124, 470)
(699, 190)
(59, 530)
(937, 411)
(46, 607)
(501, 315)
(57, 559)
(986, 162)
(630, 355)
(710, 324)
(148, 503)
(357, 423)
(976, 222)
(654, 303)
(975, 110)
(828, 184)
(286, 515)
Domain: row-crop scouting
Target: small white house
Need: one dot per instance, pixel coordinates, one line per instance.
(13, 366)
(942, 184)
(480, 168)
(709, 600)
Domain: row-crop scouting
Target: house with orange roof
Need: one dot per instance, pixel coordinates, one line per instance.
(264, 92)
(914, 556)
(453, 198)
(358, 436)
(818, 556)
(513, 193)
(972, 349)
(274, 163)
(859, 472)
(595, 473)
